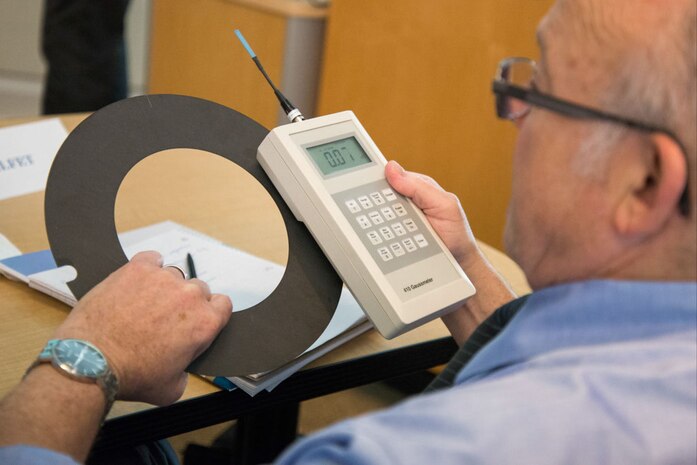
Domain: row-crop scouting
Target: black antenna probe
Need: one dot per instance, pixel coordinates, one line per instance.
(291, 111)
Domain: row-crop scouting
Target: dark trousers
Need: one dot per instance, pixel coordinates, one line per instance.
(83, 44)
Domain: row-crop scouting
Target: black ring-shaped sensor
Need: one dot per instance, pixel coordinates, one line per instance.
(79, 208)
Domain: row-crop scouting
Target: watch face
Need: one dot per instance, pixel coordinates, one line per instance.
(80, 358)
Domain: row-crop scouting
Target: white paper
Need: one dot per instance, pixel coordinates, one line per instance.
(269, 381)
(26, 154)
(247, 279)
(7, 248)
(54, 283)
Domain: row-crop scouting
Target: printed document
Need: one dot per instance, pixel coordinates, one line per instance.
(26, 154)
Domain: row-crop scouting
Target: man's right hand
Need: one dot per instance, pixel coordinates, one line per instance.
(442, 209)
(150, 323)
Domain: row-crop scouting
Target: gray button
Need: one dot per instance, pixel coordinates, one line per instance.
(374, 238)
(421, 240)
(385, 254)
(386, 233)
(375, 218)
(389, 195)
(389, 214)
(409, 245)
(399, 229)
(377, 198)
(397, 249)
(365, 202)
(410, 225)
(352, 205)
(399, 209)
(363, 221)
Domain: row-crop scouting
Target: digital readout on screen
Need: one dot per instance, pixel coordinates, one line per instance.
(338, 155)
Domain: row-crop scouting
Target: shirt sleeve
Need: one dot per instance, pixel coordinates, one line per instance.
(32, 455)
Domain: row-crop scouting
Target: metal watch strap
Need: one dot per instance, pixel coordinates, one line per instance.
(44, 356)
(110, 386)
(47, 351)
(108, 382)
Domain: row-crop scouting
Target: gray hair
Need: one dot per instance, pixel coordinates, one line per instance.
(657, 83)
(653, 78)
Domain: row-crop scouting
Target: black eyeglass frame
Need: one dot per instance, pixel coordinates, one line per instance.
(503, 89)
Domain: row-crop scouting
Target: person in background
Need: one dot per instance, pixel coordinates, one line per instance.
(597, 365)
(83, 44)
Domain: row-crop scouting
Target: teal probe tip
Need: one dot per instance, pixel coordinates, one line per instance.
(245, 44)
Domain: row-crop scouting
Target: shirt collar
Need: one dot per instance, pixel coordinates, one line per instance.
(587, 313)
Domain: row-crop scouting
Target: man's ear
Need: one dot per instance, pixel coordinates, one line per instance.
(653, 201)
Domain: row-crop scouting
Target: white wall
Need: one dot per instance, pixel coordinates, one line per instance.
(20, 23)
(138, 43)
(22, 68)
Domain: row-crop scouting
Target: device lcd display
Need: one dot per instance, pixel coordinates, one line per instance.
(338, 155)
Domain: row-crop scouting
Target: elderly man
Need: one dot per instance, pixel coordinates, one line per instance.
(596, 366)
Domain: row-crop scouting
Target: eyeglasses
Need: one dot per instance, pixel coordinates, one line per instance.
(514, 88)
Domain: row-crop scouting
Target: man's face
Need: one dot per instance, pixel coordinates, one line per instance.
(555, 214)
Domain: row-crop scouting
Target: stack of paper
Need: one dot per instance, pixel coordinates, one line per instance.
(247, 279)
(20, 267)
(344, 326)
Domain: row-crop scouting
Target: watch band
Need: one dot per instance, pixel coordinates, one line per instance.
(110, 387)
(108, 382)
(47, 352)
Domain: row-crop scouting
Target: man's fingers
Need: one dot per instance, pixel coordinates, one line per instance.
(423, 190)
(204, 287)
(398, 178)
(222, 305)
(151, 256)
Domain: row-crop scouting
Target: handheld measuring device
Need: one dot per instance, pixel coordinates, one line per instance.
(331, 174)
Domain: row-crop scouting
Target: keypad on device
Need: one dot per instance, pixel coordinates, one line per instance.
(388, 228)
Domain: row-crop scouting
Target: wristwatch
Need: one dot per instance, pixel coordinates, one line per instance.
(81, 361)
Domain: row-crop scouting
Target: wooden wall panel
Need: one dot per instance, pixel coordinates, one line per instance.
(418, 75)
(194, 51)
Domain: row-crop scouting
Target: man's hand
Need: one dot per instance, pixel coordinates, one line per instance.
(150, 323)
(443, 211)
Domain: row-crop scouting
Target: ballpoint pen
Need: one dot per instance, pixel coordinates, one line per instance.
(190, 264)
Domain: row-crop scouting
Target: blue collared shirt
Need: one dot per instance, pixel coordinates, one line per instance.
(601, 372)
(588, 373)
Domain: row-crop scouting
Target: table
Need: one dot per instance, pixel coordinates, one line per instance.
(207, 193)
